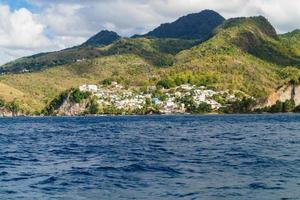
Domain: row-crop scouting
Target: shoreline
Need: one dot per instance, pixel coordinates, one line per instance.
(154, 115)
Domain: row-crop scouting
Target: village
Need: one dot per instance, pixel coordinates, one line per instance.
(180, 99)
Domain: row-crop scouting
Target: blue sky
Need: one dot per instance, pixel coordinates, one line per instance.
(32, 26)
(17, 4)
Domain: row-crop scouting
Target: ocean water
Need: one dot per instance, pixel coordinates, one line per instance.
(151, 157)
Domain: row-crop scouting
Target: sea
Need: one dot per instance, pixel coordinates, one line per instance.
(206, 157)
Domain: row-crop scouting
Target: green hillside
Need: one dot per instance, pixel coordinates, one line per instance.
(44, 85)
(292, 40)
(46, 60)
(198, 26)
(159, 52)
(244, 54)
(102, 38)
(257, 36)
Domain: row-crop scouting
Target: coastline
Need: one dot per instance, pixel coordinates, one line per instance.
(154, 115)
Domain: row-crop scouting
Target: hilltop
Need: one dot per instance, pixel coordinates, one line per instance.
(194, 27)
(198, 26)
(258, 37)
(292, 40)
(102, 38)
(241, 54)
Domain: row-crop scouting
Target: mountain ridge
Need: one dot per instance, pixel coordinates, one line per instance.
(192, 26)
(89, 49)
(102, 38)
(243, 54)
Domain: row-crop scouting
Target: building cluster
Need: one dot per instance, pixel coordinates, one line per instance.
(169, 100)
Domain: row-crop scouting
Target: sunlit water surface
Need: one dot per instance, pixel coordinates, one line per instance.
(151, 157)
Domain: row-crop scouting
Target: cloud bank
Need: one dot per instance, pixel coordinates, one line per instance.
(57, 24)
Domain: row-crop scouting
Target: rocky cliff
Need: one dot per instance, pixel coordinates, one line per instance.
(72, 109)
(286, 92)
(6, 113)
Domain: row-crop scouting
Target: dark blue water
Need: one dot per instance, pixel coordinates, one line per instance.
(159, 157)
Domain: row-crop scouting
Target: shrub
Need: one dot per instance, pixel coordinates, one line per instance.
(191, 106)
(159, 94)
(77, 96)
(288, 106)
(93, 107)
(2, 103)
(202, 108)
(55, 103)
(13, 107)
(107, 81)
(297, 109)
(240, 106)
(166, 83)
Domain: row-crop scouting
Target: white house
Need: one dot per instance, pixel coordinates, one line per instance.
(187, 87)
(88, 88)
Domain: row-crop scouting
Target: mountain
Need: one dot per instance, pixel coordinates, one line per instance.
(102, 38)
(244, 54)
(292, 40)
(87, 50)
(228, 61)
(51, 59)
(258, 37)
(190, 29)
(193, 26)
(159, 52)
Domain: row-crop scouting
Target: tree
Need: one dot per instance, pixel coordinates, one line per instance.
(166, 83)
(276, 108)
(297, 109)
(107, 81)
(77, 96)
(2, 103)
(244, 105)
(203, 108)
(193, 108)
(188, 103)
(179, 80)
(93, 107)
(13, 107)
(55, 103)
(288, 106)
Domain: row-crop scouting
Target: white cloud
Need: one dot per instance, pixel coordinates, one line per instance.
(20, 34)
(18, 29)
(127, 17)
(59, 24)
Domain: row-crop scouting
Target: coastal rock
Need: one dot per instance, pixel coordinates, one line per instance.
(297, 95)
(72, 109)
(6, 113)
(286, 92)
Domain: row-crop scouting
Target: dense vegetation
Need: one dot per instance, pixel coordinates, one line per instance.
(193, 26)
(12, 106)
(193, 108)
(256, 36)
(157, 52)
(73, 95)
(102, 38)
(47, 60)
(243, 54)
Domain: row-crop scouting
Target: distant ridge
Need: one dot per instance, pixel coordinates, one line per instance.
(240, 54)
(193, 26)
(102, 38)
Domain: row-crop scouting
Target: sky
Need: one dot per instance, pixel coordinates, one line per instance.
(33, 26)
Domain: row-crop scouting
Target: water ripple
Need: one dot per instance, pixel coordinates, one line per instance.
(152, 157)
